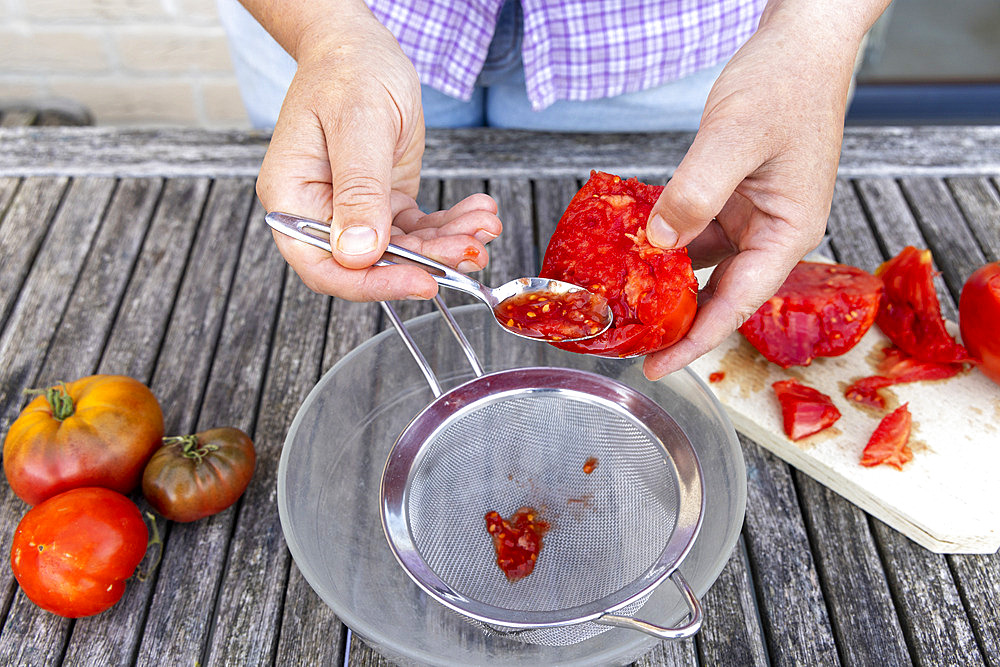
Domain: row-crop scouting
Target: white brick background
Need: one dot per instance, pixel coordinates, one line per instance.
(130, 62)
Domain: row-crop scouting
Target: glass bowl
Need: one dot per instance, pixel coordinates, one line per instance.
(331, 467)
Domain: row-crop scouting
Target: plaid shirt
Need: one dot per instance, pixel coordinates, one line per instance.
(572, 49)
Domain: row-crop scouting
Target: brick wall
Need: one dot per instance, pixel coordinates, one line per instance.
(130, 62)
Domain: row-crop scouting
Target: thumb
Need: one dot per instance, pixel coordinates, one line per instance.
(702, 184)
(361, 155)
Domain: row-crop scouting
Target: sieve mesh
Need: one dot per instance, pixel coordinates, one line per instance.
(529, 448)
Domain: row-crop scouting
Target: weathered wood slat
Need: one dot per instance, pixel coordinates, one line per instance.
(551, 197)
(922, 586)
(956, 251)
(477, 152)
(132, 349)
(792, 606)
(30, 635)
(679, 653)
(980, 204)
(731, 634)
(23, 227)
(977, 578)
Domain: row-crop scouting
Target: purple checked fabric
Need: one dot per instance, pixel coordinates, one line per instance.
(572, 49)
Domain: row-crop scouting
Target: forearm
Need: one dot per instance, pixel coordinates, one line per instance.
(842, 22)
(298, 25)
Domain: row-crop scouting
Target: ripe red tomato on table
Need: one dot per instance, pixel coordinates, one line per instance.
(600, 244)
(979, 318)
(73, 552)
(911, 313)
(97, 431)
(198, 475)
(821, 310)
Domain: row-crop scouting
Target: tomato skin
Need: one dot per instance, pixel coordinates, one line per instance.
(897, 367)
(200, 475)
(115, 426)
(600, 244)
(73, 552)
(979, 318)
(889, 443)
(804, 410)
(821, 310)
(911, 312)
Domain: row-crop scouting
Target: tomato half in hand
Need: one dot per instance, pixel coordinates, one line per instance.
(97, 431)
(889, 444)
(911, 313)
(73, 552)
(198, 475)
(804, 410)
(821, 310)
(600, 244)
(979, 318)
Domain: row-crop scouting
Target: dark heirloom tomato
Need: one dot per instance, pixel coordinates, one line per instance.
(600, 244)
(97, 431)
(804, 410)
(889, 443)
(979, 318)
(821, 310)
(911, 313)
(73, 552)
(198, 475)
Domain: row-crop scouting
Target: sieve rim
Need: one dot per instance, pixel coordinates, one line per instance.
(406, 451)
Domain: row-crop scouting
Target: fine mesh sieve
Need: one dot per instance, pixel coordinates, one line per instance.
(521, 437)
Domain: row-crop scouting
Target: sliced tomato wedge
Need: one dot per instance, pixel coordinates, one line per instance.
(911, 312)
(821, 310)
(889, 443)
(600, 244)
(979, 318)
(898, 367)
(804, 410)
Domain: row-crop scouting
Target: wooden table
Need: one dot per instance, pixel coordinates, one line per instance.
(145, 253)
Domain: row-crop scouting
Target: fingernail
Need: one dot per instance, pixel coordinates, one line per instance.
(415, 297)
(468, 267)
(357, 240)
(660, 234)
(484, 236)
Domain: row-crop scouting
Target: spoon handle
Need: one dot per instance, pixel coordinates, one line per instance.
(317, 234)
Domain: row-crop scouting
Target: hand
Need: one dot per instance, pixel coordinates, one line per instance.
(753, 192)
(347, 148)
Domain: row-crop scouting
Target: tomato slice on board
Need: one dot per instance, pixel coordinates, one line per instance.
(897, 367)
(600, 244)
(517, 541)
(805, 410)
(821, 310)
(911, 313)
(979, 318)
(889, 443)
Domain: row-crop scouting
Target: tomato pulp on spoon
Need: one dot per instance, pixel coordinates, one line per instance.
(554, 315)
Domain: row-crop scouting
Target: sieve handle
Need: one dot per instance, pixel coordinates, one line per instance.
(679, 632)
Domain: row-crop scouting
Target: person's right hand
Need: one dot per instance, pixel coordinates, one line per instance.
(347, 148)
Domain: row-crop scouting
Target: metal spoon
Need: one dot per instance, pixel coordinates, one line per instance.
(317, 234)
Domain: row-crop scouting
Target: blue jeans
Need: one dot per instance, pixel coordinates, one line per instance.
(264, 70)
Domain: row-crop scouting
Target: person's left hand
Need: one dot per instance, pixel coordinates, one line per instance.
(753, 192)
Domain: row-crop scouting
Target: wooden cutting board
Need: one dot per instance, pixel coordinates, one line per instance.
(946, 499)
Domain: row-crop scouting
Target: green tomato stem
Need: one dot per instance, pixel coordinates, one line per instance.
(60, 401)
(191, 446)
(154, 541)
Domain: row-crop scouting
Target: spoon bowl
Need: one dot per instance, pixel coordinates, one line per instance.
(536, 308)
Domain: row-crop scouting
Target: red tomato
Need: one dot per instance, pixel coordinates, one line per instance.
(821, 310)
(895, 368)
(911, 313)
(600, 244)
(73, 552)
(804, 410)
(979, 318)
(889, 443)
(198, 475)
(97, 431)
